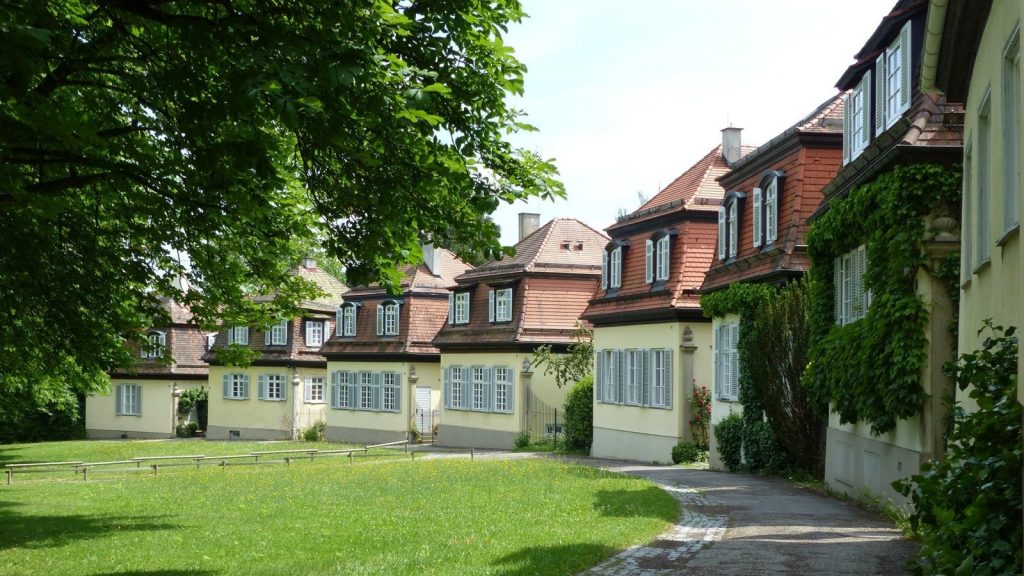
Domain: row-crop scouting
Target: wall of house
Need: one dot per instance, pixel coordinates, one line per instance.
(371, 427)
(994, 290)
(719, 408)
(157, 410)
(860, 463)
(648, 434)
(465, 428)
(256, 419)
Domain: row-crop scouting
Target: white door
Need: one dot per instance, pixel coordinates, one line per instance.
(423, 419)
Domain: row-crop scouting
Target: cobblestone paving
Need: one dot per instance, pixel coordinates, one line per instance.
(702, 522)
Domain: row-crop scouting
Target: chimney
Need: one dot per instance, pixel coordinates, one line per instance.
(309, 263)
(432, 258)
(528, 224)
(731, 149)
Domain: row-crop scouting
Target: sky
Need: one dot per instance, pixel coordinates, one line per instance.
(628, 95)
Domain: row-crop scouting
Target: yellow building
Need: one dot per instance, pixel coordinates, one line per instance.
(142, 402)
(652, 343)
(285, 390)
(977, 60)
(385, 374)
(498, 314)
(889, 123)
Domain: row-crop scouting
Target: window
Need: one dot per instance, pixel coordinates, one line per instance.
(766, 209)
(128, 400)
(851, 298)
(615, 267)
(343, 389)
(657, 257)
(392, 391)
(892, 81)
(315, 390)
(271, 387)
(277, 335)
(856, 118)
(479, 388)
(1011, 133)
(502, 390)
(499, 305)
(726, 359)
(238, 335)
(455, 387)
(458, 308)
(481, 379)
(236, 386)
(346, 322)
(157, 341)
(366, 387)
(635, 377)
(387, 318)
(982, 228)
(314, 333)
(728, 225)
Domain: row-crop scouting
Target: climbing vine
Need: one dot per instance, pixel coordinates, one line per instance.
(870, 369)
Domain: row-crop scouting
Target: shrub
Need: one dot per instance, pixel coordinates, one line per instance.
(579, 415)
(688, 452)
(761, 450)
(701, 416)
(191, 429)
(729, 434)
(968, 506)
(314, 433)
(414, 432)
(521, 439)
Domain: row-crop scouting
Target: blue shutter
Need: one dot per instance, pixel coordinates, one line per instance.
(227, 385)
(905, 63)
(138, 399)
(669, 380)
(620, 360)
(599, 376)
(245, 386)
(490, 305)
(721, 232)
(377, 382)
(398, 392)
(646, 376)
(380, 319)
(649, 261)
(261, 385)
(335, 389)
(451, 308)
(511, 390)
(119, 399)
(447, 385)
(604, 270)
(757, 217)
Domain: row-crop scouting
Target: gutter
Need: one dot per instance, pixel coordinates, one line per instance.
(934, 26)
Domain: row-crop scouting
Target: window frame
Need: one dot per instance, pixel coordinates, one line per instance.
(349, 320)
(460, 310)
(730, 215)
(504, 380)
(277, 335)
(128, 400)
(500, 305)
(238, 388)
(270, 379)
(983, 215)
(157, 343)
(235, 331)
(1011, 144)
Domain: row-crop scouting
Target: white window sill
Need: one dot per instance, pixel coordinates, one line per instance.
(271, 399)
(234, 398)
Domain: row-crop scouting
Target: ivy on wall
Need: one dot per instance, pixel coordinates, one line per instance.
(870, 370)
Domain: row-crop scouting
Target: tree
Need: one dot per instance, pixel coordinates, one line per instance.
(576, 364)
(141, 134)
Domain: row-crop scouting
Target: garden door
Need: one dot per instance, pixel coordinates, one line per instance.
(424, 422)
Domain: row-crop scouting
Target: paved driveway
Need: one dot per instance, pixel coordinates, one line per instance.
(742, 525)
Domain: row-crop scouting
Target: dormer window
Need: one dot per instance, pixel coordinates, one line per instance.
(499, 305)
(856, 118)
(277, 335)
(346, 319)
(615, 267)
(766, 208)
(728, 225)
(458, 308)
(657, 256)
(157, 341)
(314, 333)
(238, 335)
(892, 81)
(387, 318)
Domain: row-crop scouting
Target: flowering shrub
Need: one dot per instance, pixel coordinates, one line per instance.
(701, 416)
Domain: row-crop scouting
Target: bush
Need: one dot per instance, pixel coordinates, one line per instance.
(314, 433)
(414, 432)
(761, 450)
(521, 439)
(687, 453)
(701, 420)
(968, 506)
(192, 429)
(729, 434)
(579, 415)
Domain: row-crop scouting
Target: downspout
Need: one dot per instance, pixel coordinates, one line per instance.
(934, 26)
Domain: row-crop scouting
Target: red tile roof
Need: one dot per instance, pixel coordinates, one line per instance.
(423, 311)
(553, 275)
(184, 344)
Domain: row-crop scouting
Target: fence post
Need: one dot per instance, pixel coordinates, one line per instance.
(155, 468)
(85, 474)
(471, 454)
(350, 461)
(10, 473)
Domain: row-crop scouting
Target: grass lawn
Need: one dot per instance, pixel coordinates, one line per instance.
(443, 516)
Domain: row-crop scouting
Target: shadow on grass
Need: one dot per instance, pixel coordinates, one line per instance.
(31, 531)
(542, 560)
(651, 502)
(159, 573)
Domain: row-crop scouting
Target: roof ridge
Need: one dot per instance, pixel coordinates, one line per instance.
(683, 174)
(550, 226)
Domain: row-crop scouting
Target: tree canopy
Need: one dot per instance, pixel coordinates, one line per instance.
(140, 134)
